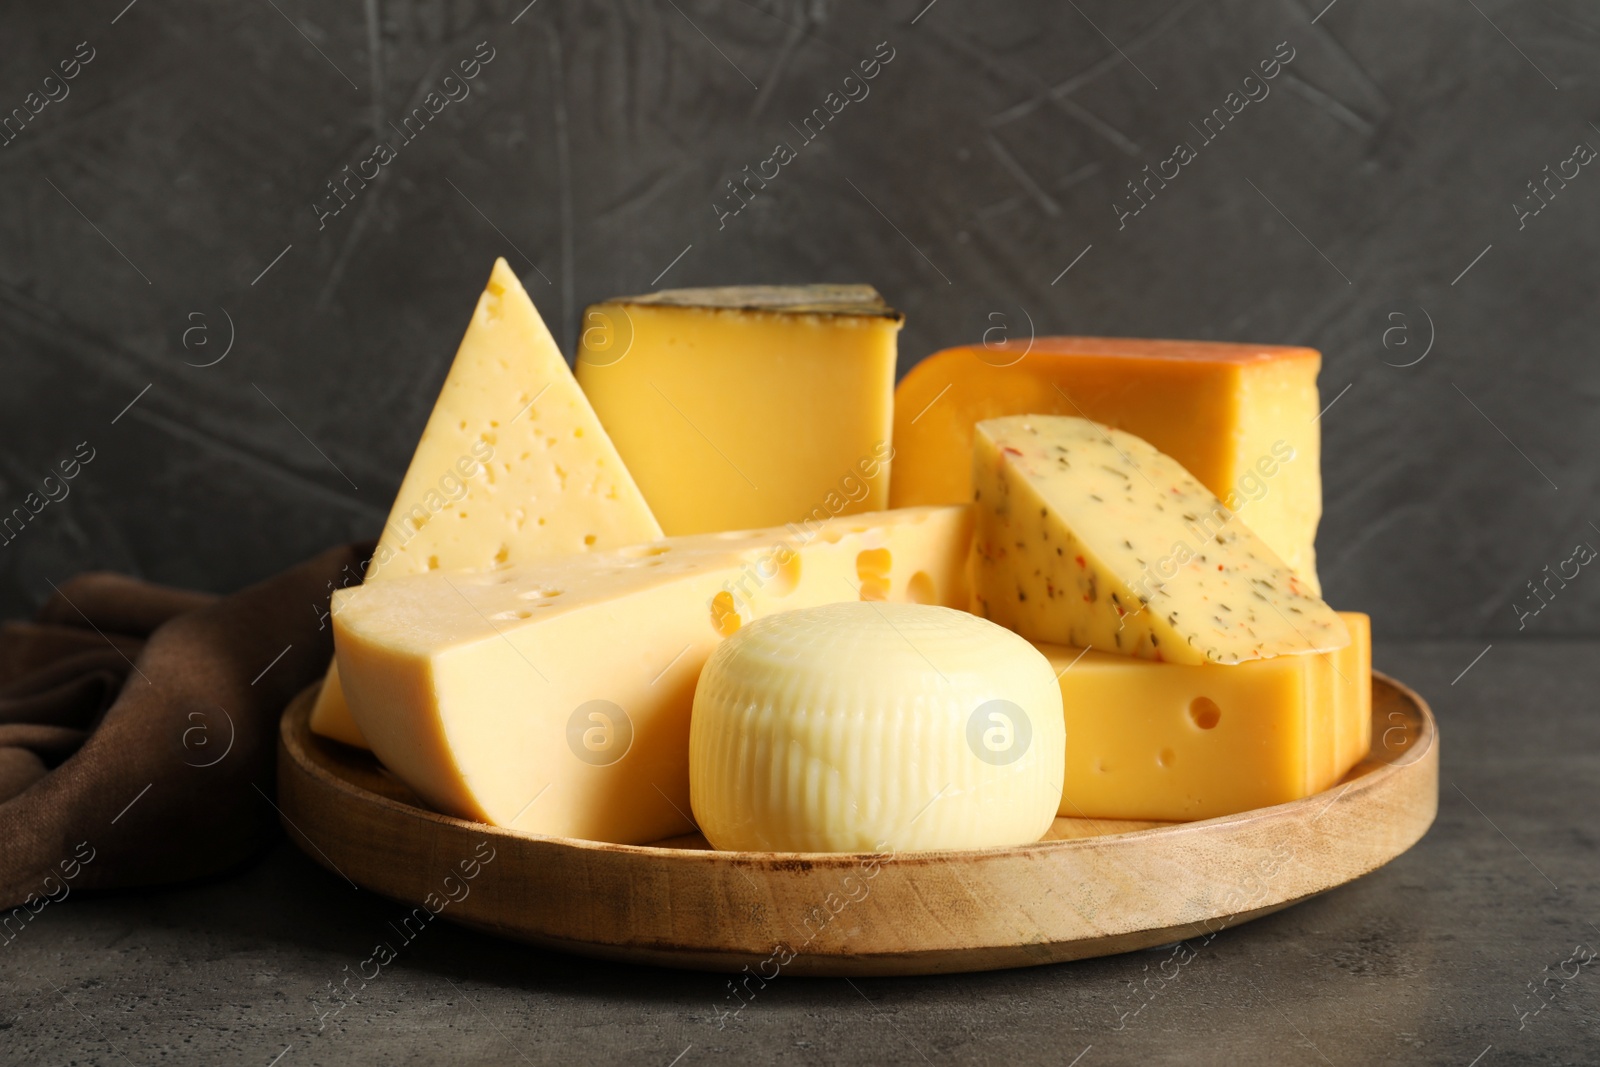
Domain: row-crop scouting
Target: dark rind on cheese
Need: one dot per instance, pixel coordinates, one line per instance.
(856, 301)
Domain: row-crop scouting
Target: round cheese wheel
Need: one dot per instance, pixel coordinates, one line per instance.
(875, 727)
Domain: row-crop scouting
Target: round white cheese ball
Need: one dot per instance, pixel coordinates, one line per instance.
(875, 727)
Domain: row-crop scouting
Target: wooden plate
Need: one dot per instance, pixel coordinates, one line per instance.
(1092, 888)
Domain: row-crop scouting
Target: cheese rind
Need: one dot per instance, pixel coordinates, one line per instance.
(513, 466)
(1241, 418)
(1089, 536)
(1167, 741)
(747, 407)
(554, 698)
(875, 727)
(1353, 683)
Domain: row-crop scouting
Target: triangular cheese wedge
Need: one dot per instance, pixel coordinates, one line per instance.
(512, 467)
(1088, 536)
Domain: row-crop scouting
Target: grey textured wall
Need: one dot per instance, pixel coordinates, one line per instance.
(172, 191)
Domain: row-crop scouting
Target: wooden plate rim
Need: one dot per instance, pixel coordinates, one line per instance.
(294, 730)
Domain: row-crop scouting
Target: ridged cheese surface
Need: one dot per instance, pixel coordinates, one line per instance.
(1088, 536)
(875, 727)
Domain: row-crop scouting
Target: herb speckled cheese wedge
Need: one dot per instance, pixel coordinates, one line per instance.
(1088, 536)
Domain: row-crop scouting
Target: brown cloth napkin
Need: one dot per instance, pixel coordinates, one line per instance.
(138, 728)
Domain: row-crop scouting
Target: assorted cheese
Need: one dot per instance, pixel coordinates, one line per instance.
(746, 407)
(1241, 418)
(512, 467)
(1113, 619)
(1088, 536)
(554, 697)
(864, 727)
(1166, 741)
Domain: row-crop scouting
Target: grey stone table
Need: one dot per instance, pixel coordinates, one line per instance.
(1433, 959)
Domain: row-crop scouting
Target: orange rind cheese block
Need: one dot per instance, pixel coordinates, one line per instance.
(1243, 419)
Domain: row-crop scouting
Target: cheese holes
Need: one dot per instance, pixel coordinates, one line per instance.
(872, 571)
(724, 619)
(1205, 713)
(921, 590)
(647, 555)
(780, 571)
(1166, 758)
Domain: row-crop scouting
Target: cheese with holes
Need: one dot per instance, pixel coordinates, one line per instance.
(1241, 418)
(512, 467)
(1088, 536)
(745, 407)
(1168, 741)
(554, 697)
(867, 727)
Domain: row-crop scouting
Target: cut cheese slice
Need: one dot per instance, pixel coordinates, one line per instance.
(1241, 418)
(869, 727)
(1089, 536)
(554, 698)
(512, 467)
(1167, 741)
(745, 407)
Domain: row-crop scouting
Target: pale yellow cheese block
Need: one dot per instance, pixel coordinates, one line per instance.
(867, 727)
(1169, 741)
(554, 698)
(1088, 536)
(743, 407)
(512, 467)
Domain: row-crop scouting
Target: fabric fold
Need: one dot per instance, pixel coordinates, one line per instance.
(138, 726)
